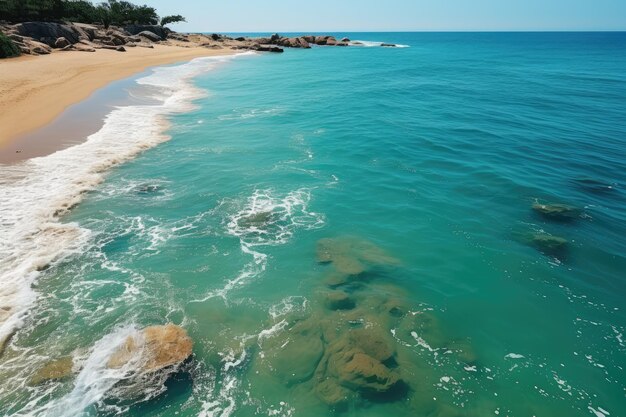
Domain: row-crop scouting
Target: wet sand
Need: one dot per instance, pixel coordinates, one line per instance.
(36, 90)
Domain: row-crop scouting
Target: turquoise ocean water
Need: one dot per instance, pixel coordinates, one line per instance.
(417, 166)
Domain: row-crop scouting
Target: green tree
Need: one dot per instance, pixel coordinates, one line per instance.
(165, 20)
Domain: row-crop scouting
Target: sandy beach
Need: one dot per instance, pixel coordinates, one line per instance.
(34, 90)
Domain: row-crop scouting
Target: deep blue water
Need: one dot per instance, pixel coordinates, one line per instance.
(428, 158)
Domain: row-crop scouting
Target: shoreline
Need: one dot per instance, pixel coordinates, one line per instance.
(32, 96)
(34, 236)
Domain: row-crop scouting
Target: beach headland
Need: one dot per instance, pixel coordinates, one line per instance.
(64, 63)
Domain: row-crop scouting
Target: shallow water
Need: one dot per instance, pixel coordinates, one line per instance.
(420, 164)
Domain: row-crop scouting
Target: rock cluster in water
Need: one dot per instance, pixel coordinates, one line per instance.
(352, 346)
(547, 243)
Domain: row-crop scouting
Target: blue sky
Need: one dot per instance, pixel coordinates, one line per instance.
(394, 15)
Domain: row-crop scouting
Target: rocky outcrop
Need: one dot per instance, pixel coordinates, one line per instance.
(157, 346)
(38, 38)
(48, 32)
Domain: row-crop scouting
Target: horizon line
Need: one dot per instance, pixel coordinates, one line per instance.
(422, 31)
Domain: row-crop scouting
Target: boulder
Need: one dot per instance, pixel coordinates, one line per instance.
(38, 48)
(388, 45)
(89, 30)
(320, 40)
(152, 37)
(345, 40)
(303, 43)
(309, 38)
(117, 37)
(159, 347)
(61, 43)
(48, 32)
(275, 37)
(331, 41)
(160, 31)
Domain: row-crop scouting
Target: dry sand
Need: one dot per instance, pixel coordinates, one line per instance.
(34, 90)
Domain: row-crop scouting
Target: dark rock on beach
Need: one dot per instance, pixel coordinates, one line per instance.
(151, 36)
(49, 32)
(61, 43)
(158, 30)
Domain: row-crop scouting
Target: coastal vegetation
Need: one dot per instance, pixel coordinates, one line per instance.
(7, 47)
(112, 12)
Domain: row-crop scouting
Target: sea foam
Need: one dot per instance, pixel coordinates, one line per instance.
(37, 192)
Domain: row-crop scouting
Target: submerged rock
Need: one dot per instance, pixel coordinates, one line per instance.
(255, 219)
(339, 300)
(294, 360)
(54, 370)
(594, 186)
(355, 361)
(559, 212)
(157, 346)
(551, 245)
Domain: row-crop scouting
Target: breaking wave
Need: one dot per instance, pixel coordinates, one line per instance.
(37, 192)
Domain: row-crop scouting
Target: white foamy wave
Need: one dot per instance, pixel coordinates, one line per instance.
(239, 114)
(37, 192)
(96, 381)
(266, 220)
(371, 44)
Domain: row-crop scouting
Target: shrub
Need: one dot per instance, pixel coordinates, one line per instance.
(7, 47)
